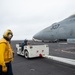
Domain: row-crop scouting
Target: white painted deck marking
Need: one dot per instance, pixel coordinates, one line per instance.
(64, 60)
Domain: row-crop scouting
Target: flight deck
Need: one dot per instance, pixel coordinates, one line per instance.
(45, 66)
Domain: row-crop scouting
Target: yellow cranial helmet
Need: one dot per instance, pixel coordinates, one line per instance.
(7, 33)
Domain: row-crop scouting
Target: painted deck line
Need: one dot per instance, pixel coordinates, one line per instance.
(64, 60)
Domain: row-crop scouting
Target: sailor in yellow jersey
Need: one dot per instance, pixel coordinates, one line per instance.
(6, 54)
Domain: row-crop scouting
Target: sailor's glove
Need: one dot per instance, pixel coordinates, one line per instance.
(13, 54)
(4, 68)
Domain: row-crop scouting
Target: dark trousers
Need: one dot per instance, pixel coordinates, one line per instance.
(9, 69)
(22, 48)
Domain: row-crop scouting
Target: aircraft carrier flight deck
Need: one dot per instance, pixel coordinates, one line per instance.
(45, 66)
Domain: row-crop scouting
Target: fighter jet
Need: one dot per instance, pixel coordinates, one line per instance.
(62, 30)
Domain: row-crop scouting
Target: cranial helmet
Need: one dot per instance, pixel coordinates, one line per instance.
(7, 33)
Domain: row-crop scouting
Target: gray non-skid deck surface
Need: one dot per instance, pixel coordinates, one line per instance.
(44, 66)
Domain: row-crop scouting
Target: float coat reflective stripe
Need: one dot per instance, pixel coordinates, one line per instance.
(6, 52)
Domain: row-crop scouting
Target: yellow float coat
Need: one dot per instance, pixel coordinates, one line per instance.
(6, 52)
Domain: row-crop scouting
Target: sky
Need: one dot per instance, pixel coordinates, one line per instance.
(27, 17)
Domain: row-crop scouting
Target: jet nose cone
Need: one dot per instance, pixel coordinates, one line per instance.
(38, 36)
